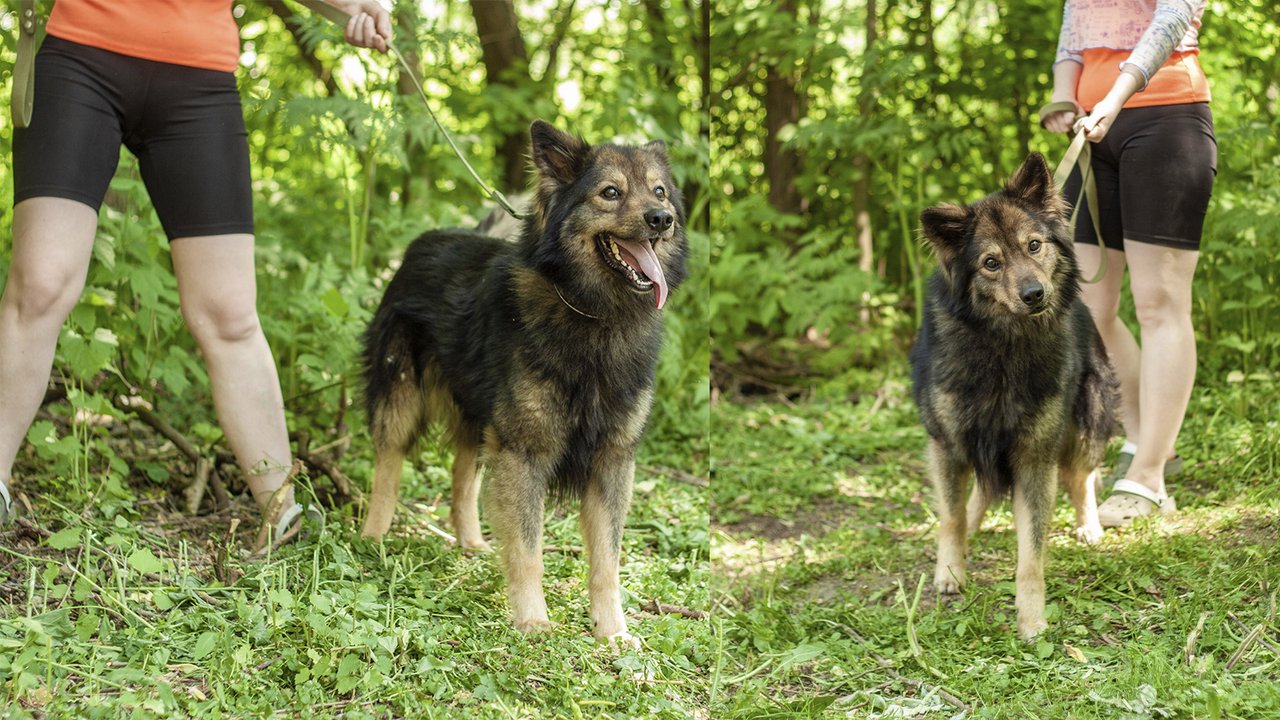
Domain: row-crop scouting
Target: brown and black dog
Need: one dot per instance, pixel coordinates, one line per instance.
(538, 358)
(1010, 377)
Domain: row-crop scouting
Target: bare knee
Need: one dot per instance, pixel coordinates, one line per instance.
(222, 323)
(41, 295)
(1158, 307)
(1103, 303)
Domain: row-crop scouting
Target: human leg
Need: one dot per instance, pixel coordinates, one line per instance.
(217, 289)
(52, 245)
(1160, 279)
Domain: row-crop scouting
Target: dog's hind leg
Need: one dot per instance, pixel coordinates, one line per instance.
(604, 513)
(1034, 491)
(979, 501)
(515, 495)
(950, 477)
(396, 422)
(464, 511)
(1079, 478)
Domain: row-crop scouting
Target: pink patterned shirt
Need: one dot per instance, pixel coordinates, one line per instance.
(1152, 29)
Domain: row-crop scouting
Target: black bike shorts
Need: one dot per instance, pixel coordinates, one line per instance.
(184, 124)
(1154, 172)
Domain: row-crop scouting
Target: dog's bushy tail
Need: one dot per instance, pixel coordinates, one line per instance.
(387, 361)
(1096, 401)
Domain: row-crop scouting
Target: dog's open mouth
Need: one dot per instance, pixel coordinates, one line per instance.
(635, 261)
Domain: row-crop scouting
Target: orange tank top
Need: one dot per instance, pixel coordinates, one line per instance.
(1180, 80)
(196, 33)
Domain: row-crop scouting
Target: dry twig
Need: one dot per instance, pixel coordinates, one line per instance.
(657, 608)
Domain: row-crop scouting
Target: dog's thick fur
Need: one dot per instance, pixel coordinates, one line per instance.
(538, 358)
(1010, 377)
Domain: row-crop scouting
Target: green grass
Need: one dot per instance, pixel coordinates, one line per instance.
(122, 613)
(822, 538)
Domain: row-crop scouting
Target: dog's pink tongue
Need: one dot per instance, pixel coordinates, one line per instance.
(648, 263)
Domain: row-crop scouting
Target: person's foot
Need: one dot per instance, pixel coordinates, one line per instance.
(1172, 468)
(282, 525)
(1131, 500)
(6, 505)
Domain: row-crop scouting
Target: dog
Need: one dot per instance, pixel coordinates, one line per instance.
(538, 358)
(1010, 377)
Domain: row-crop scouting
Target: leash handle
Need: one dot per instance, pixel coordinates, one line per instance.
(1079, 153)
(341, 18)
(22, 101)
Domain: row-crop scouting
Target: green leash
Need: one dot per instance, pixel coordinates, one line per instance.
(24, 76)
(340, 18)
(1079, 154)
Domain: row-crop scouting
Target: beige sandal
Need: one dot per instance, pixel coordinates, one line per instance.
(1131, 500)
(6, 505)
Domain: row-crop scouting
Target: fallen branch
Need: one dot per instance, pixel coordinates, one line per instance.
(31, 527)
(657, 608)
(138, 407)
(329, 470)
(195, 491)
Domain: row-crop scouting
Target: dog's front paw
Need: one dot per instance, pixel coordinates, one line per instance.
(1031, 628)
(948, 580)
(1089, 534)
(620, 641)
(478, 545)
(534, 625)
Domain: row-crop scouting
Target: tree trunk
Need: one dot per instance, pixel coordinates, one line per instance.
(664, 52)
(783, 106)
(506, 62)
(862, 162)
(407, 23)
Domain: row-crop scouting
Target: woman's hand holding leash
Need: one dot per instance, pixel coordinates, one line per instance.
(369, 26)
(1063, 120)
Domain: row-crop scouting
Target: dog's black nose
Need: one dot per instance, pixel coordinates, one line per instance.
(658, 219)
(1033, 294)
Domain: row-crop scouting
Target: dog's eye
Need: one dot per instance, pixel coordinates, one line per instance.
(992, 264)
(1034, 246)
(611, 193)
(660, 191)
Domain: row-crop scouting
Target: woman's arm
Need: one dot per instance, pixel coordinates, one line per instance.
(1168, 26)
(1066, 77)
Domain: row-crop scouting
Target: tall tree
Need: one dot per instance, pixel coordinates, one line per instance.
(506, 62)
(783, 106)
(861, 161)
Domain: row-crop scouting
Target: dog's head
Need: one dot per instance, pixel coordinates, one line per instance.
(1007, 255)
(608, 219)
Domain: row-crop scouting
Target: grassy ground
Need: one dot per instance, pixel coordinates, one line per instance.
(140, 611)
(824, 550)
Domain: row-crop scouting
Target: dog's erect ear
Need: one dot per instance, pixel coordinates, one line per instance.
(557, 155)
(1032, 182)
(658, 148)
(944, 227)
